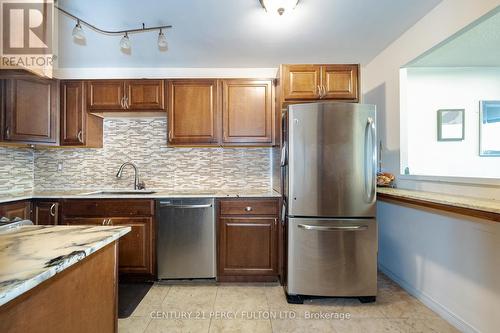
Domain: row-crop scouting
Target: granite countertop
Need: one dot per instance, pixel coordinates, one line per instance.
(30, 255)
(486, 205)
(159, 193)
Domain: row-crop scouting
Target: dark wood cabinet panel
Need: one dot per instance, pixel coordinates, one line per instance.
(20, 209)
(247, 243)
(248, 207)
(72, 112)
(31, 110)
(193, 112)
(46, 212)
(78, 128)
(300, 82)
(137, 257)
(247, 246)
(247, 112)
(145, 95)
(135, 249)
(340, 81)
(107, 207)
(105, 95)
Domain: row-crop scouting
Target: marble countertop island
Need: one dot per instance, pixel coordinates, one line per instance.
(30, 255)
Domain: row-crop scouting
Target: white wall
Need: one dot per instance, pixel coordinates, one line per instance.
(448, 261)
(430, 89)
(448, 285)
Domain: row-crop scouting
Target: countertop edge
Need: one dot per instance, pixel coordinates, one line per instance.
(85, 195)
(475, 207)
(54, 270)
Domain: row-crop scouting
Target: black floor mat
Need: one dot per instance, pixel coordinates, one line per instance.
(130, 295)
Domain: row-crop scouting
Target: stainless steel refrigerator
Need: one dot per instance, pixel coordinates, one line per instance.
(328, 164)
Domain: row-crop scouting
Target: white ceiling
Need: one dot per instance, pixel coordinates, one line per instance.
(237, 33)
(476, 45)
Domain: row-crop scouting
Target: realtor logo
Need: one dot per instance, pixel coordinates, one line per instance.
(26, 27)
(26, 34)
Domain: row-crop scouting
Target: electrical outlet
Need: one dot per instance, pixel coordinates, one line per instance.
(59, 166)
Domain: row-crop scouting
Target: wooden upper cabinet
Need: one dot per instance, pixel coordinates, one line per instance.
(340, 81)
(72, 112)
(31, 110)
(78, 128)
(300, 81)
(317, 82)
(126, 95)
(247, 112)
(193, 112)
(145, 95)
(105, 95)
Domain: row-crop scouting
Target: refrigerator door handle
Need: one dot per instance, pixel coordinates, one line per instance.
(370, 161)
(283, 155)
(336, 228)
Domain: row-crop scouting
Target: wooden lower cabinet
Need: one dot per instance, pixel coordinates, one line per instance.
(135, 250)
(247, 244)
(247, 247)
(45, 212)
(19, 209)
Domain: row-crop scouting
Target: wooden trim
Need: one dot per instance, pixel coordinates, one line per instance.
(491, 216)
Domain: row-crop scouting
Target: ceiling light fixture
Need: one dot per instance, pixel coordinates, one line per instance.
(78, 32)
(125, 44)
(162, 40)
(279, 6)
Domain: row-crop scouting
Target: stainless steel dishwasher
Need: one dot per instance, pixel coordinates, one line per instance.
(186, 238)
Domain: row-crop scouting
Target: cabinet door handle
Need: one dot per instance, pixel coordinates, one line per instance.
(319, 90)
(126, 103)
(324, 92)
(248, 209)
(80, 136)
(110, 222)
(122, 102)
(169, 135)
(53, 210)
(104, 221)
(7, 133)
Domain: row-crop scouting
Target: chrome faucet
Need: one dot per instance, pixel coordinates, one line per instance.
(137, 184)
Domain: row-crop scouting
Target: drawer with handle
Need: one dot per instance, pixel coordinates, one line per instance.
(249, 207)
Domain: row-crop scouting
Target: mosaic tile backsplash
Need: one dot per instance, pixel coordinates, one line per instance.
(143, 142)
(16, 169)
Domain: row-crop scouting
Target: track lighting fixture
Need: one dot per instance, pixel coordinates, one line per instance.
(78, 32)
(125, 44)
(162, 40)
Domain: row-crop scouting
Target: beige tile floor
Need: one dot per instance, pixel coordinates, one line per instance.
(256, 308)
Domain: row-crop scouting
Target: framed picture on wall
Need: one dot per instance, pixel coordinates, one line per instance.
(451, 124)
(489, 128)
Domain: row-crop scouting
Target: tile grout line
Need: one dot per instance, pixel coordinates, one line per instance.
(213, 307)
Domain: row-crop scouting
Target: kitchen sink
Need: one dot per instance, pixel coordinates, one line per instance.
(121, 192)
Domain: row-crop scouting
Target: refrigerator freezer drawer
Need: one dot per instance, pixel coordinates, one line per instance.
(332, 257)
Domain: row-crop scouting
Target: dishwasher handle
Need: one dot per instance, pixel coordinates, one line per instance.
(168, 204)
